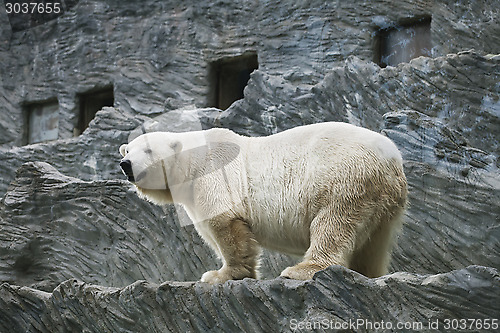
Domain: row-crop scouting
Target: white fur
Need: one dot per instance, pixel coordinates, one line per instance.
(327, 191)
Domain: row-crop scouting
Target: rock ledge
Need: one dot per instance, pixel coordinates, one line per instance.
(335, 297)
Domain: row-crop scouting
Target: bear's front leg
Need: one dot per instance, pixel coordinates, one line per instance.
(332, 235)
(235, 244)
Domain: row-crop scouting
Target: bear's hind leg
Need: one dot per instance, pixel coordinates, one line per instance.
(239, 251)
(373, 259)
(332, 243)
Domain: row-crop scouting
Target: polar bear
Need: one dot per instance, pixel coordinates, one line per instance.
(331, 192)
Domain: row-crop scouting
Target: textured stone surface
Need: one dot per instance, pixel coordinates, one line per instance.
(453, 215)
(357, 91)
(334, 297)
(157, 54)
(67, 214)
(56, 227)
(89, 156)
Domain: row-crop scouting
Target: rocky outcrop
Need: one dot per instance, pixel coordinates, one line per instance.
(57, 227)
(336, 299)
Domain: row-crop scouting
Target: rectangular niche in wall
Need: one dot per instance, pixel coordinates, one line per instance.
(404, 42)
(42, 121)
(229, 77)
(90, 103)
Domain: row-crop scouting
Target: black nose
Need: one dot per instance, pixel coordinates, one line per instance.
(126, 166)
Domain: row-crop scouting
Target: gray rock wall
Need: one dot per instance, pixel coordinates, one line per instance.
(59, 227)
(67, 214)
(157, 54)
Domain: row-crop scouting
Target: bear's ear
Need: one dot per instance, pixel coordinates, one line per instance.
(176, 146)
(123, 150)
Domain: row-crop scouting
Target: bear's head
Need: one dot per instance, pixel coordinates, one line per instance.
(165, 166)
(148, 161)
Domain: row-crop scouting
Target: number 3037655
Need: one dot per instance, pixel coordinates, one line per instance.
(33, 7)
(471, 324)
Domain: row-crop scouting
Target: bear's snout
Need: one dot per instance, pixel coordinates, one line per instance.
(126, 166)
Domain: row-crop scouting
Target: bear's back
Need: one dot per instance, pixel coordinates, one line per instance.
(342, 137)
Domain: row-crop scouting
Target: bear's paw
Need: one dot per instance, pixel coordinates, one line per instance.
(301, 271)
(228, 273)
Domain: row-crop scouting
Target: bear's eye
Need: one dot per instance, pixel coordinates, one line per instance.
(148, 151)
